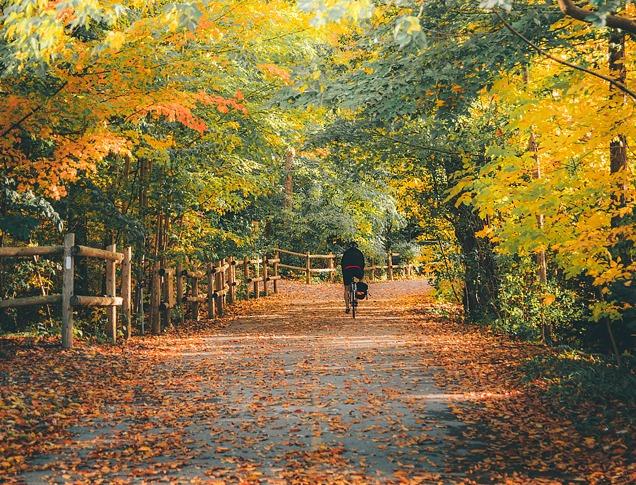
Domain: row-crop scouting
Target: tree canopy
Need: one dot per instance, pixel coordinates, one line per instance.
(491, 141)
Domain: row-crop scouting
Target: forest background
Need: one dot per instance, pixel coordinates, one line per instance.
(490, 143)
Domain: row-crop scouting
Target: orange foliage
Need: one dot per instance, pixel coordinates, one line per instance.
(272, 71)
(95, 87)
(222, 104)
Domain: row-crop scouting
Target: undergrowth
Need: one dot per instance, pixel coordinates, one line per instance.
(574, 376)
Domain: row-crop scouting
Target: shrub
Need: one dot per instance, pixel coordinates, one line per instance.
(525, 304)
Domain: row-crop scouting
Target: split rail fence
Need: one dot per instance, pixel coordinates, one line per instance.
(176, 290)
(329, 266)
(214, 285)
(68, 299)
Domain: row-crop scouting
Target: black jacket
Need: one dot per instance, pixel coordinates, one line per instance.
(352, 257)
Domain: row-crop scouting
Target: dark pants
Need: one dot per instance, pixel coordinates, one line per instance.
(349, 273)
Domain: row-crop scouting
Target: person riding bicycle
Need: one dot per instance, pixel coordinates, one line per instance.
(352, 265)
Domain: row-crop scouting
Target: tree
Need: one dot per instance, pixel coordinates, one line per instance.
(455, 72)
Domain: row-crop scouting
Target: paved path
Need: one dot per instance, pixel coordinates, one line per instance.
(293, 391)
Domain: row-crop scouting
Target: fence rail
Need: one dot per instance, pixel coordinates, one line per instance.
(307, 270)
(11, 252)
(190, 289)
(67, 298)
(31, 300)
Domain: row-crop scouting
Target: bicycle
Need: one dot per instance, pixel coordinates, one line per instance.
(353, 295)
(353, 299)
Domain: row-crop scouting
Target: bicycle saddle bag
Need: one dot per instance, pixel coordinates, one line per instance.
(361, 290)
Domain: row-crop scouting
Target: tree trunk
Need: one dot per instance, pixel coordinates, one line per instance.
(618, 71)
(480, 269)
(542, 268)
(289, 180)
(617, 152)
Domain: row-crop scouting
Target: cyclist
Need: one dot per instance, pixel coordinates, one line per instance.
(352, 265)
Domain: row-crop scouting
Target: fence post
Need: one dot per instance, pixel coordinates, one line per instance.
(275, 269)
(67, 291)
(211, 295)
(220, 285)
(308, 269)
(126, 290)
(332, 267)
(224, 279)
(389, 266)
(231, 279)
(194, 307)
(179, 283)
(168, 296)
(265, 271)
(246, 276)
(139, 295)
(155, 299)
(111, 290)
(257, 292)
(180, 290)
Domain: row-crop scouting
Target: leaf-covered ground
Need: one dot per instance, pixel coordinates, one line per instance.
(292, 390)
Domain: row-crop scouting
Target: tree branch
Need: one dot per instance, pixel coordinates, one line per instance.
(614, 21)
(543, 52)
(32, 112)
(418, 146)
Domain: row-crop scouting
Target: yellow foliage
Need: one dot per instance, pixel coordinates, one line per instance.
(136, 71)
(573, 124)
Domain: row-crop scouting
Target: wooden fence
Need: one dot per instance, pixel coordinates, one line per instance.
(330, 266)
(68, 299)
(176, 289)
(307, 269)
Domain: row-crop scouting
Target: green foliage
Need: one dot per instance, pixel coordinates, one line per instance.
(91, 325)
(525, 305)
(28, 277)
(337, 10)
(443, 265)
(23, 212)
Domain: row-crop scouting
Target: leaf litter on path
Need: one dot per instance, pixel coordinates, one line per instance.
(399, 395)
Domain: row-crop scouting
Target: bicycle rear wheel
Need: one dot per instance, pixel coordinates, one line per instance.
(352, 299)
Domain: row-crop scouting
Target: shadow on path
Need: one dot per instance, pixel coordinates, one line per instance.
(292, 391)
